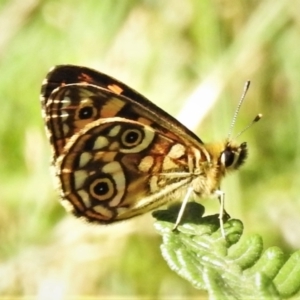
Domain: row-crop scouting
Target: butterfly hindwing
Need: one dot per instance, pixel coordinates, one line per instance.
(115, 169)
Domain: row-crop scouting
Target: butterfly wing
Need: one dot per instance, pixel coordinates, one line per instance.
(62, 75)
(115, 169)
(73, 96)
(117, 155)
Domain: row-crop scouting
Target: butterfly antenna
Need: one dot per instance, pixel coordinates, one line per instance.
(256, 119)
(246, 88)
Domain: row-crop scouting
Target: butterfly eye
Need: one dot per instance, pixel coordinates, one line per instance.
(102, 188)
(228, 157)
(234, 156)
(132, 137)
(86, 112)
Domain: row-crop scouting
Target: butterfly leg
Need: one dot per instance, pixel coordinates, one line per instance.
(222, 214)
(183, 205)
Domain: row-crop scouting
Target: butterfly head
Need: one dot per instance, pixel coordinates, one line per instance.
(233, 156)
(227, 156)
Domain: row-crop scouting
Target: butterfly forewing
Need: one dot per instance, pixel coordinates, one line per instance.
(68, 90)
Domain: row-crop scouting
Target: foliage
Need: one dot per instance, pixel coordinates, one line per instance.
(230, 268)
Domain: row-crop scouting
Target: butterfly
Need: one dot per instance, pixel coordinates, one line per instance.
(117, 155)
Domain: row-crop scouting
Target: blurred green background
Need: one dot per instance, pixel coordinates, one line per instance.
(186, 56)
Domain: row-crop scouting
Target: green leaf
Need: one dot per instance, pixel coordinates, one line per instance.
(230, 268)
(288, 277)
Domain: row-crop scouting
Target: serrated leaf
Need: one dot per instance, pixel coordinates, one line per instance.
(230, 268)
(288, 279)
(269, 263)
(246, 253)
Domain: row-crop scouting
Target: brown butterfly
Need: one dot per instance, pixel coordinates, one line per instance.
(117, 155)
